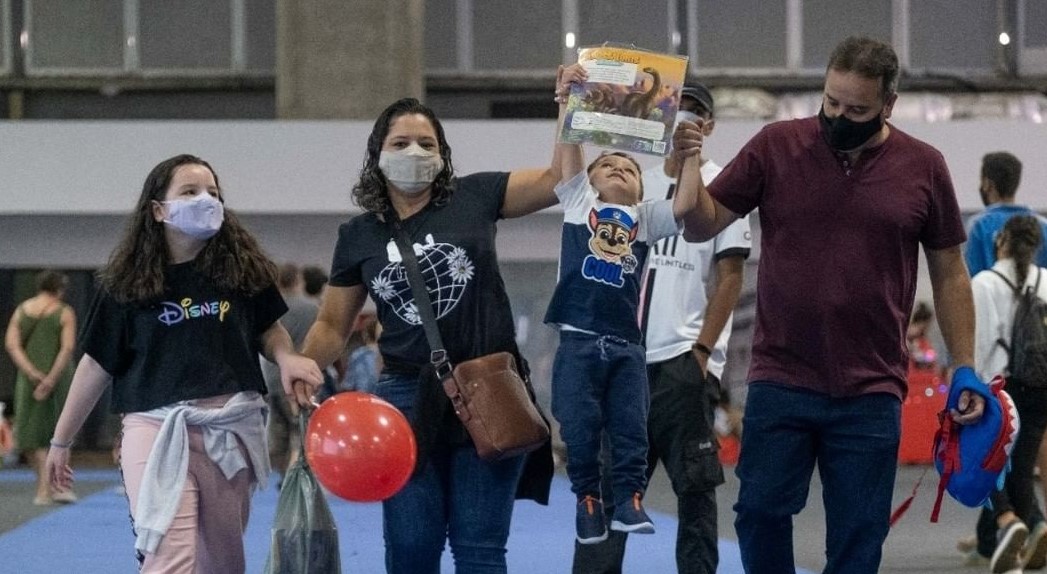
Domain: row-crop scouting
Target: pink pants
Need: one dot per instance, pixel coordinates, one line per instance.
(206, 535)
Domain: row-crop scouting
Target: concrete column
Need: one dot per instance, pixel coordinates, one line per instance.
(347, 59)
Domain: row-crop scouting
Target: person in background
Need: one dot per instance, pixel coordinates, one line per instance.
(40, 339)
(921, 351)
(186, 304)
(314, 280)
(283, 434)
(408, 179)
(1000, 175)
(690, 291)
(1004, 531)
(365, 362)
(829, 364)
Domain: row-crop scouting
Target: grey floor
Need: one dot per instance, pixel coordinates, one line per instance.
(915, 545)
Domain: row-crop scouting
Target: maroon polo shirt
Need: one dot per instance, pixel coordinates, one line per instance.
(839, 252)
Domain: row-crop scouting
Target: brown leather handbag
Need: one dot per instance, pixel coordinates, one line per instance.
(492, 402)
(488, 394)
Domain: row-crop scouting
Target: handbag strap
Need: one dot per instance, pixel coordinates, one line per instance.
(437, 352)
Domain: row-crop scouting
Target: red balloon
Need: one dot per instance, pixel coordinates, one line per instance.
(360, 447)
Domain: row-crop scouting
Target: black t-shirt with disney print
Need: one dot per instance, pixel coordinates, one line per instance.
(195, 342)
(460, 265)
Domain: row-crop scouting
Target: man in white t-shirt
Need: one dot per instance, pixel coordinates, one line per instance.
(689, 294)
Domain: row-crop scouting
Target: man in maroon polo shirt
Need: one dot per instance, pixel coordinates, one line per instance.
(845, 201)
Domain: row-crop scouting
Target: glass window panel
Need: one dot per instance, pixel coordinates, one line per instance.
(952, 34)
(260, 34)
(5, 36)
(1036, 23)
(827, 22)
(644, 24)
(441, 34)
(73, 34)
(185, 34)
(509, 34)
(741, 34)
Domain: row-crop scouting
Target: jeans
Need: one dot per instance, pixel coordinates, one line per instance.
(680, 430)
(600, 384)
(1019, 492)
(854, 442)
(456, 497)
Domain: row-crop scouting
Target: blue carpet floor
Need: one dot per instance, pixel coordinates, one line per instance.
(94, 536)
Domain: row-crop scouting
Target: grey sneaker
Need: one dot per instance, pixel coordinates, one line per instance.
(1035, 550)
(1006, 559)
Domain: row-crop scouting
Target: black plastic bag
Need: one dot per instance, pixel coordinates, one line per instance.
(304, 534)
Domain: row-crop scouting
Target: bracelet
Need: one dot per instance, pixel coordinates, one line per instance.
(57, 444)
(702, 349)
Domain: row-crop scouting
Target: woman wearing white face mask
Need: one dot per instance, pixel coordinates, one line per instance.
(186, 304)
(408, 176)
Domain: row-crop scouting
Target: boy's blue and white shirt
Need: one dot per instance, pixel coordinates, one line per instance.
(603, 249)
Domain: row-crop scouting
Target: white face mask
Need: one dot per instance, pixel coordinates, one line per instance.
(200, 217)
(411, 169)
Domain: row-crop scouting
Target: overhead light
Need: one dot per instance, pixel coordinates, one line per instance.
(569, 40)
(1005, 38)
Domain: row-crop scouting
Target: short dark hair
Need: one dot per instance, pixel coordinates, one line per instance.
(639, 170)
(1004, 170)
(314, 278)
(53, 282)
(869, 58)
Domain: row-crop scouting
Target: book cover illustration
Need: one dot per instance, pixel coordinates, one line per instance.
(629, 102)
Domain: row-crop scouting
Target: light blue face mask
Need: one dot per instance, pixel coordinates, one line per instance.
(199, 217)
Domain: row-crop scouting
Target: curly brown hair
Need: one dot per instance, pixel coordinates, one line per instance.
(232, 259)
(372, 191)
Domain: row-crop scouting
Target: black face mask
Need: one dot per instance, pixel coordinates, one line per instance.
(844, 134)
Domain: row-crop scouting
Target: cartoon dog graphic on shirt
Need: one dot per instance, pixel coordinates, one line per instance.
(613, 232)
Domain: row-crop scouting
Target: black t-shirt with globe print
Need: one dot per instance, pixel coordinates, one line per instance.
(459, 263)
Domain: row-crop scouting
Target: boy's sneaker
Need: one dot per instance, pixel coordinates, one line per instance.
(630, 517)
(1035, 551)
(589, 522)
(1009, 541)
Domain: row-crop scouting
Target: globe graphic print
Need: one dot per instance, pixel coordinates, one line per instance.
(446, 269)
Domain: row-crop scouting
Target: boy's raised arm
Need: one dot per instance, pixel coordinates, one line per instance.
(569, 158)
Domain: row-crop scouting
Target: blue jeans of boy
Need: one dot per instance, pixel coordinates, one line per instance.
(457, 497)
(600, 383)
(854, 442)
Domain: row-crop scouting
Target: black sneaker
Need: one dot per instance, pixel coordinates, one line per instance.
(630, 517)
(589, 522)
(1006, 559)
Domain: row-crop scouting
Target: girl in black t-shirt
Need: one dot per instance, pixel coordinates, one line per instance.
(453, 496)
(187, 302)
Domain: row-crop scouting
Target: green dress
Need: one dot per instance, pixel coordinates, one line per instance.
(35, 420)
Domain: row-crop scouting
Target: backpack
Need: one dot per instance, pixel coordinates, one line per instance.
(1027, 351)
(974, 459)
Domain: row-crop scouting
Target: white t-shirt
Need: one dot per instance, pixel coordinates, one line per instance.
(678, 277)
(994, 306)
